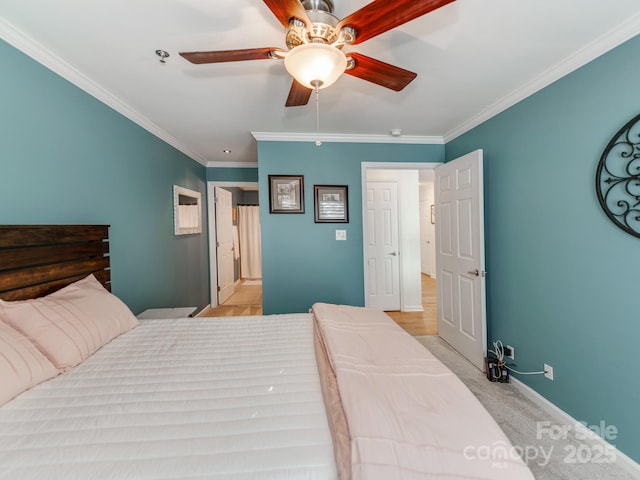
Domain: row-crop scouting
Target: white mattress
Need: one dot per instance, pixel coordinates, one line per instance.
(211, 398)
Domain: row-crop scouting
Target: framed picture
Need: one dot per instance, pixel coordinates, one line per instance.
(286, 194)
(331, 203)
(433, 214)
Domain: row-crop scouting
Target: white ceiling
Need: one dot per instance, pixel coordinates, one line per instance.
(473, 59)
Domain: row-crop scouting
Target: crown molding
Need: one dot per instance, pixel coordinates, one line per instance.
(345, 138)
(232, 164)
(600, 46)
(27, 45)
(610, 40)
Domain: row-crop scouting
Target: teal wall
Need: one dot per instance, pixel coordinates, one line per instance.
(563, 280)
(65, 157)
(302, 263)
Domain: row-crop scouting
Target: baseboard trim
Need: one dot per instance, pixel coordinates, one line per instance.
(202, 311)
(413, 308)
(622, 460)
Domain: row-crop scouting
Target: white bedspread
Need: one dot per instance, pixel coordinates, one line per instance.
(234, 398)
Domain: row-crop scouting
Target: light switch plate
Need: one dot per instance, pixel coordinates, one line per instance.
(341, 234)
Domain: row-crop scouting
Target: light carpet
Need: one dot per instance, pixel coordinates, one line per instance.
(530, 428)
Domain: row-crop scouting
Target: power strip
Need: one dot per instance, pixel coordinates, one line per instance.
(495, 372)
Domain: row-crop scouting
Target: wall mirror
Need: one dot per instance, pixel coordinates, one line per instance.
(187, 211)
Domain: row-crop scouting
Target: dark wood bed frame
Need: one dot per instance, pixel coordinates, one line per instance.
(36, 260)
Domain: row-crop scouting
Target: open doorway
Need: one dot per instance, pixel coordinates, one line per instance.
(243, 194)
(415, 305)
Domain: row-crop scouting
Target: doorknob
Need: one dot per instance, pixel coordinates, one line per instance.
(477, 273)
(393, 254)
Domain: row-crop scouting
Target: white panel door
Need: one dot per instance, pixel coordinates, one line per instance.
(460, 256)
(224, 243)
(427, 239)
(382, 280)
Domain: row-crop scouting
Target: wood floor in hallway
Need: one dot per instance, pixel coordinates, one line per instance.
(425, 322)
(247, 300)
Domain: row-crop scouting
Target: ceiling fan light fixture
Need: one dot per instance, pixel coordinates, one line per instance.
(315, 65)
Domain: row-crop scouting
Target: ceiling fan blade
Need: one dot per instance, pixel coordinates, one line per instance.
(381, 73)
(230, 55)
(298, 95)
(381, 15)
(284, 10)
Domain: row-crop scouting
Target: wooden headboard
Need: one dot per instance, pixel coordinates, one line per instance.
(36, 260)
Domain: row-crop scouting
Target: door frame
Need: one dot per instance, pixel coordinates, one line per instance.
(365, 166)
(211, 216)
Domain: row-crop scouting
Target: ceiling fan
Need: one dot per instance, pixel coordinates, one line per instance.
(315, 39)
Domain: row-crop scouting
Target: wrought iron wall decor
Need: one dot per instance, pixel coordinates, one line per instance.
(618, 178)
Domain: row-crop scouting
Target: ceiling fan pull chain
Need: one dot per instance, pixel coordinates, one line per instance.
(318, 141)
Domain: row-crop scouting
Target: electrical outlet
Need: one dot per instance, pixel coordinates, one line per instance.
(548, 371)
(510, 352)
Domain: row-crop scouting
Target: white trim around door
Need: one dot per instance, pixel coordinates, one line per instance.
(410, 288)
(211, 216)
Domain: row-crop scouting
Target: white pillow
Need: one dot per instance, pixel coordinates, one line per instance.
(22, 366)
(69, 325)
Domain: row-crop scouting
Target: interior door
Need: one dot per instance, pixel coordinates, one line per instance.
(427, 239)
(382, 281)
(460, 256)
(224, 243)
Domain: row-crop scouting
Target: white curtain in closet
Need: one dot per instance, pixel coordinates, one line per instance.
(250, 248)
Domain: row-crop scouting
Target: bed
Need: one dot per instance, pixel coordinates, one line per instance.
(337, 392)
